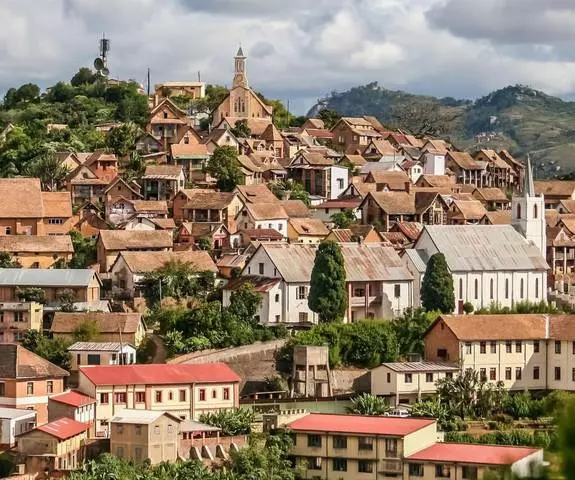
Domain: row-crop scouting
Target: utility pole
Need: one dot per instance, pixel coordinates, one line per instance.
(149, 83)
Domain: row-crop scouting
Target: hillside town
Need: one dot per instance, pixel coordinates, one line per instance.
(336, 300)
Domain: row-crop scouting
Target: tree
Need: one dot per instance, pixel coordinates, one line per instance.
(135, 168)
(241, 129)
(459, 393)
(566, 435)
(410, 329)
(244, 303)
(48, 169)
(232, 422)
(432, 408)
(327, 294)
(84, 250)
(122, 139)
(84, 76)
(368, 404)
(329, 117)
(67, 298)
(205, 244)
(225, 166)
(54, 350)
(87, 331)
(343, 219)
(437, 287)
(31, 294)
(6, 261)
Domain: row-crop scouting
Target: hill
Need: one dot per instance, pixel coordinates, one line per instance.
(517, 118)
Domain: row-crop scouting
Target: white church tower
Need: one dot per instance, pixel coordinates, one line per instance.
(528, 213)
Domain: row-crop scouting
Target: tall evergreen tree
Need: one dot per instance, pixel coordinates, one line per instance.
(327, 295)
(437, 287)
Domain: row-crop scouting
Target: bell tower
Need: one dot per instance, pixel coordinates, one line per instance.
(528, 212)
(240, 78)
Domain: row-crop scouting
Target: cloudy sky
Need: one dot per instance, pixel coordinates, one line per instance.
(300, 49)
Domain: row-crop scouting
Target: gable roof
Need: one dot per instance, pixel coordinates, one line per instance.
(139, 416)
(490, 194)
(295, 208)
(108, 322)
(554, 188)
(494, 158)
(393, 179)
(57, 204)
(496, 327)
(266, 211)
(17, 362)
(163, 172)
(309, 226)
(208, 199)
(21, 198)
(43, 277)
(130, 239)
(157, 206)
(498, 217)
(62, 429)
(189, 150)
(142, 262)
(256, 193)
(393, 203)
(467, 210)
(464, 160)
(34, 243)
(437, 180)
(130, 186)
(73, 398)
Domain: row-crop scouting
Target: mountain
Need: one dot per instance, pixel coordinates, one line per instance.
(517, 118)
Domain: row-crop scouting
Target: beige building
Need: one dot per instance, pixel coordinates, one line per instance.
(185, 391)
(194, 90)
(16, 318)
(409, 382)
(33, 251)
(101, 353)
(138, 435)
(352, 447)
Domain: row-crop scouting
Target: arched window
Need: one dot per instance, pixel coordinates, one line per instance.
(506, 288)
(461, 288)
(476, 289)
(535, 211)
(491, 289)
(536, 288)
(521, 289)
(518, 210)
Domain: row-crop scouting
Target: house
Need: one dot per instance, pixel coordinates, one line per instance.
(58, 218)
(74, 405)
(44, 251)
(193, 90)
(271, 216)
(467, 171)
(56, 446)
(14, 421)
(186, 391)
(325, 210)
(16, 318)
(84, 284)
(333, 446)
(103, 164)
(413, 169)
(560, 257)
(409, 382)
(439, 181)
(465, 212)
(121, 189)
(71, 160)
(196, 205)
(220, 137)
(123, 211)
(355, 132)
(166, 123)
(389, 180)
(145, 435)
(125, 328)
(147, 144)
(499, 173)
(255, 194)
(85, 186)
(433, 162)
(251, 171)
(492, 198)
(497, 217)
(256, 236)
(490, 264)
(318, 174)
(354, 234)
(110, 243)
(306, 230)
(130, 268)
(193, 158)
(101, 353)
(190, 233)
(27, 380)
(554, 191)
(162, 182)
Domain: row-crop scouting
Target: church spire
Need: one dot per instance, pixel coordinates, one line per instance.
(528, 186)
(240, 78)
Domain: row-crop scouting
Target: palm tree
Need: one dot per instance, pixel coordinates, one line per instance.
(48, 169)
(368, 404)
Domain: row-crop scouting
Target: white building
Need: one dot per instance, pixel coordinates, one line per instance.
(14, 421)
(433, 163)
(270, 216)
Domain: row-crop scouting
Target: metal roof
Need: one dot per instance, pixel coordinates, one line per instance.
(191, 426)
(37, 277)
(14, 413)
(483, 248)
(421, 366)
(139, 416)
(98, 346)
(419, 258)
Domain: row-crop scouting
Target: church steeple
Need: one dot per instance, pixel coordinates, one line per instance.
(528, 186)
(240, 78)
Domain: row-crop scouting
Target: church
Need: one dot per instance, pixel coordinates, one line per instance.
(242, 103)
(490, 264)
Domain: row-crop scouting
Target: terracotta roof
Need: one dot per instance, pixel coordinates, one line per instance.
(438, 145)
(493, 156)
(393, 180)
(142, 262)
(316, 123)
(437, 180)
(309, 226)
(295, 208)
(467, 210)
(164, 223)
(361, 424)
(381, 146)
(499, 217)
(63, 428)
(496, 327)
(568, 205)
(394, 203)
(343, 203)
(266, 211)
(490, 194)
(356, 160)
(17, 362)
(160, 206)
(463, 453)
(464, 160)
(132, 239)
(21, 198)
(202, 229)
(57, 204)
(160, 374)
(257, 126)
(562, 327)
(555, 188)
(233, 260)
(208, 199)
(364, 188)
(73, 398)
(410, 229)
(316, 159)
(262, 233)
(319, 133)
(33, 243)
(100, 155)
(168, 172)
(249, 164)
(352, 234)
(357, 121)
(271, 134)
(260, 284)
(189, 150)
(108, 322)
(256, 193)
(511, 161)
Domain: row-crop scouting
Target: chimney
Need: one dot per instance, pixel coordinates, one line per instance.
(408, 187)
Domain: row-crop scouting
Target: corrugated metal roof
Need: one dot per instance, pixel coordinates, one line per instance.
(421, 366)
(98, 346)
(37, 277)
(14, 413)
(484, 247)
(418, 257)
(137, 416)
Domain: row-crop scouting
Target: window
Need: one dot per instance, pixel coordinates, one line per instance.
(138, 454)
(408, 378)
(277, 318)
(170, 428)
(573, 374)
(461, 288)
(557, 373)
(508, 373)
(476, 289)
(120, 397)
(397, 290)
(416, 470)
(8, 230)
(535, 346)
(301, 293)
(482, 347)
(535, 211)
(493, 347)
(49, 386)
(506, 288)
(365, 466)
(535, 373)
(388, 377)
(339, 465)
(469, 473)
(449, 375)
(493, 374)
(120, 452)
(303, 317)
(104, 398)
(468, 348)
(93, 359)
(138, 429)
(557, 347)
(214, 393)
(2, 389)
(339, 442)
(508, 347)
(390, 447)
(277, 298)
(340, 183)
(314, 463)
(536, 288)
(202, 394)
(521, 284)
(429, 377)
(518, 347)
(573, 348)
(140, 397)
(30, 388)
(182, 395)
(55, 221)
(491, 289)
(442, 471)
(314, 441)
(19, 317)
(157, 430)
(483, 374)
(518, 211)
(365, 443)
(120, 428)
(517, 373)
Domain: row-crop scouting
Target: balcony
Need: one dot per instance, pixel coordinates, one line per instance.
(391, 466)
(360, 301)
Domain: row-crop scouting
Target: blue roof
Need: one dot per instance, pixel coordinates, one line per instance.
(38, 277)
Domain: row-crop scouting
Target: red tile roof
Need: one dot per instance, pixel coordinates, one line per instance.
(319, 422)
(63, 428)
(160, 374)
(76, 399)
(475, 454)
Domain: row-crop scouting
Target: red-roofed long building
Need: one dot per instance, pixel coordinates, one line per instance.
(185, 391)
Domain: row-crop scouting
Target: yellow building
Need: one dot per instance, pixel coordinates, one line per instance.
(306, 230)
(33, 251)
(185, 391)
(16, 318)
(352, 447)
(139, 435)
(58, 445)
